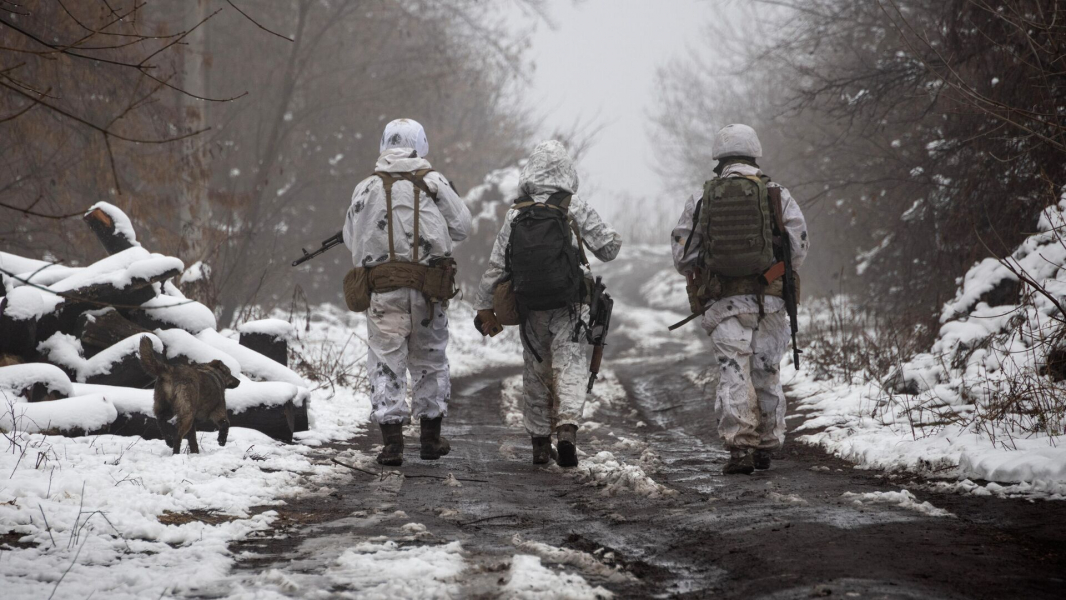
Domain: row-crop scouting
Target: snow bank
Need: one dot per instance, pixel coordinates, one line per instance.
(252, 363)
(85, 413)
(275, 328)
(16, 378)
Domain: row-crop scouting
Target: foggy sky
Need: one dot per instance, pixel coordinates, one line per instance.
(599, 65)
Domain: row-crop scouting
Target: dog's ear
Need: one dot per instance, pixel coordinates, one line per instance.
(227, 376)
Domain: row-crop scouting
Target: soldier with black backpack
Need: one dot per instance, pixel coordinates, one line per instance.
(537, 272)
(739, 242)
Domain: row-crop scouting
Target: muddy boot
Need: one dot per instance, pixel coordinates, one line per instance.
(542, 449)
(740, 463)
(433, 445)
(567, 446)
(392, 453)
(761, 458)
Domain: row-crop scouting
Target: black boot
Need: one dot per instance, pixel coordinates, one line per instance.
(392, 437)
(433, 445)
(740, 463)
(567, 446)
(761, 458)
(542, 449)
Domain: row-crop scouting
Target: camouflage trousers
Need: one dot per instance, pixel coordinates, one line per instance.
(750, 404)
(404, 338)
(553, 391)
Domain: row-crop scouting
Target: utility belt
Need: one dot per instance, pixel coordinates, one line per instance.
(435, 281)
(703, 289)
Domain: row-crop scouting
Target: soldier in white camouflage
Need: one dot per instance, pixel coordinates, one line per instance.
(556, 367)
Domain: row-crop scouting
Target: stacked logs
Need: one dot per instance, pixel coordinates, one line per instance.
(69, 336)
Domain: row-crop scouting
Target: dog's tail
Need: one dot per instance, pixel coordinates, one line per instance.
(149, 361)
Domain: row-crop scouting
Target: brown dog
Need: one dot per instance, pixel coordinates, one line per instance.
(191, 393)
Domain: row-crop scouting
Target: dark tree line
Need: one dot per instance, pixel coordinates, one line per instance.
(233, 132)
(921, 135)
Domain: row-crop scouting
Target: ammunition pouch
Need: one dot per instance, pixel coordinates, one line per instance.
(436, 281)
(504, 304)
(357, 289)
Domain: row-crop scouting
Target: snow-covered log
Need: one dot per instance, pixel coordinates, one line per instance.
(117, 365)
(111, 226)
(74, 417)
(34, 382)
(275, 409)
(166, 312)
(252, 363)
(269, 337)
(102, 329)
(18, 322)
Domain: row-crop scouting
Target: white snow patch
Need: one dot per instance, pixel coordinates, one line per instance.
(583, 561)
(387, 571)
(276, 328)
(902, 499)
(85, 413)
(528, 579)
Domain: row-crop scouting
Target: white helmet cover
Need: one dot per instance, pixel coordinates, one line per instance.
(405, 133)
(736, 140)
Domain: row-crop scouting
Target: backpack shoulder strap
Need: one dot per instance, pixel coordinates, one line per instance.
(522, 203)
(387, 179)
(560, 200)
(417, 178)
(777, 208)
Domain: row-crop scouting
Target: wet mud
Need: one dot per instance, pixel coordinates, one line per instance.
(784, 533)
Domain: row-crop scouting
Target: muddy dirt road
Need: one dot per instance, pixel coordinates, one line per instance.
(647, 514)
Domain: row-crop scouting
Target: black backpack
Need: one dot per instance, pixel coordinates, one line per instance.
(544, 263)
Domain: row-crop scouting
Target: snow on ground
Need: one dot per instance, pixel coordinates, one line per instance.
(112, 510)
(598, 466)
(986, 403)
(528, 579)
(902, 499)
(117, 510)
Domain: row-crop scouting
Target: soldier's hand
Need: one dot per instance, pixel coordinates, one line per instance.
(487, 323)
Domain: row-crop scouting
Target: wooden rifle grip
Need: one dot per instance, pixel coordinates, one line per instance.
(597, 358)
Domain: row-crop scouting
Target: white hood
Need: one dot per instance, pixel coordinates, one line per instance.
(401, 160)
(548, 170)
(405, 133)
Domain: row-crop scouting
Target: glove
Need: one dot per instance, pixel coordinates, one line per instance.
(487, 323)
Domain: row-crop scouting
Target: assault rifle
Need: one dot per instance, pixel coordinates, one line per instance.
(599, 322)
(326, 245)
(783, 243)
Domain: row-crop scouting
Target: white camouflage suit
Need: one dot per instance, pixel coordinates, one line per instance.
(558, 383)
(750, 405)
(402, 334)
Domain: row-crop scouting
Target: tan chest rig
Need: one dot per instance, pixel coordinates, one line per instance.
(436, 281)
